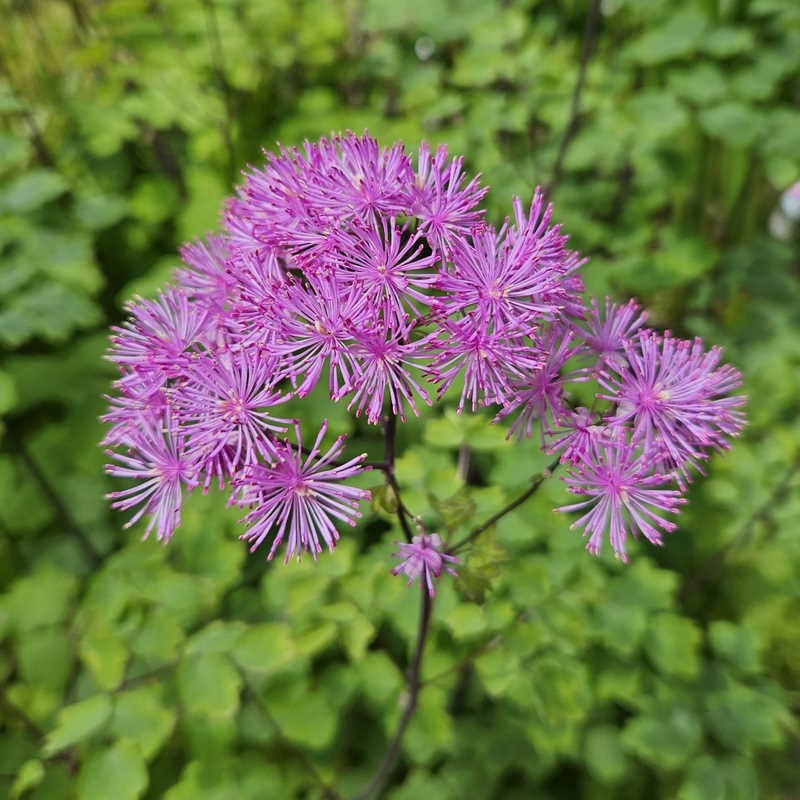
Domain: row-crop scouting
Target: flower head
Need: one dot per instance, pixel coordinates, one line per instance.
(298, 495)
(155, 456)
(422, 557)
(625, 496)
(674, 393)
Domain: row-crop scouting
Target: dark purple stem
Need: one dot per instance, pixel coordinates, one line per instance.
(410, 698)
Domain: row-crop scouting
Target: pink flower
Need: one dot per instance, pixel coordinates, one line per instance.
(156, 457)
(298, 496)
(625, 496)
(421, 557)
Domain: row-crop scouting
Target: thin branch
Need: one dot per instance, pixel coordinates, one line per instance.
(328, 792)
(410, 699)
(218, 61)
(536, 482)
(389, 433)
(589, 39)
(63, 513)
(715, 561)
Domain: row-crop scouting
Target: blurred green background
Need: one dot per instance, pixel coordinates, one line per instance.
(128, 670)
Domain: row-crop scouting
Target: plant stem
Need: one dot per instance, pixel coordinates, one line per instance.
(387, 465)
(410, 698)
(52, 497)
(589, 38)
(328, 792)
(536, 482)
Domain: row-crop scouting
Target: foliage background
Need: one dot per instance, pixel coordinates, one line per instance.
(132, 671)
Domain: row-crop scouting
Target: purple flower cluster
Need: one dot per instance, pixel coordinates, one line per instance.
(373, 271)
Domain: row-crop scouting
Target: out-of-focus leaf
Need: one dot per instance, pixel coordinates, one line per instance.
(32, 190)
(118, 771)
(77, 722)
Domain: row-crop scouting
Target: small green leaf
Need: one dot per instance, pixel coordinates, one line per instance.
(733, 123)
(705, 781)
(29, 777)
(604, 754)
(265, 649)
(665, 738)
(77, 722)
(41, 598)
(140, 715)
(32, 190)
(118, 771)
(209, 684)
(672, 643)
(303, 715)
(45, 657)
(8, 393)
(740, 646)
(742, 717)
(218, 636)
(105, 655)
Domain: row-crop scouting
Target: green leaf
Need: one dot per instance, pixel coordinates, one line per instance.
(77, 722)
(664, 738)
(29, 777)
(32, 190)
(742, 717)
(678, 36)
(604, 754)
(95, 211)
(8, 393)
(14, 150)
(705, 781)
(431, 730)
(740, 646)
(620, 627)
(105, 655)
(40, 598)
(657, 115)
(218, 636)
(118, 771)
(50, 311)
(153, 200)
(265, 649)
(209, 684)
(728, 41)
(380, 679)
(672, 644)
(140, 715)
(466, 621)
(303, 715)
(45, 657)
(158, 640)
(733, 123)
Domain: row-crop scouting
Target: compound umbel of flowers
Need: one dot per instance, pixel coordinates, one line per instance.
(375, 270)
